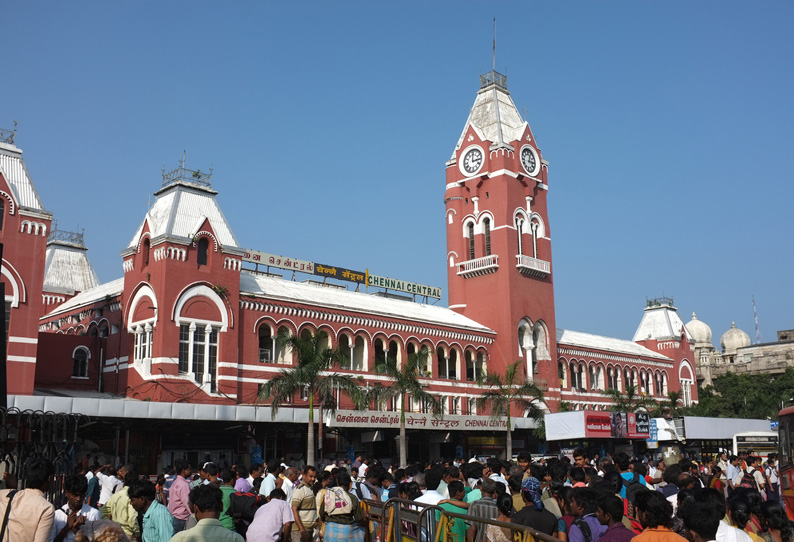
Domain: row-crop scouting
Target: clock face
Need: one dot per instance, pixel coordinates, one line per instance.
(472, 161)
(529, 160)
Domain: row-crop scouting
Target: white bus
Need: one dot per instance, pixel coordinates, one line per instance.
(762, 443)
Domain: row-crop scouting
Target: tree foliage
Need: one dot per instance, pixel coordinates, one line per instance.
(312, 377)
(404, 380)
(629, 400)
(502, 393)
(745, 396)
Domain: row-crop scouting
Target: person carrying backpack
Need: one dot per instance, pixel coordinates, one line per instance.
(752, 477)
(341, 512)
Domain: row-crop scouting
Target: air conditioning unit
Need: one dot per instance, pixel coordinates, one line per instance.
(265, 355)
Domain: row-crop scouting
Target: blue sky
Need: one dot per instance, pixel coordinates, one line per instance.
(668, 126)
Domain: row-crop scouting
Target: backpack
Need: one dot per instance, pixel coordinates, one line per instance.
(585, 528)
(337, 502)
(748, 480)
(634, 487)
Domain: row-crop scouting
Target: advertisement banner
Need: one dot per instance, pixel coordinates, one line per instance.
(639, 425)
(616, 424)
(597, 424)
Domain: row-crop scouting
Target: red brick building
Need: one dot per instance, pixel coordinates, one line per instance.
(187, 334)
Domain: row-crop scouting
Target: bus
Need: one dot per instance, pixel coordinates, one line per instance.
(762, 443)
(786, 458)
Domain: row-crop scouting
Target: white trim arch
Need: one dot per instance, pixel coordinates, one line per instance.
(143, 291)
(200, 290)
(14, 295)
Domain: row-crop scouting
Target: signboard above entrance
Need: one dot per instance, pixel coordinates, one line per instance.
(340, 273)
(415, 420)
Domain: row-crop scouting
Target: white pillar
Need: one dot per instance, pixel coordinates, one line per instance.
(190, 369)
(206, 379)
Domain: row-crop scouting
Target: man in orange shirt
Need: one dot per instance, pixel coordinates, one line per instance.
(655, 513)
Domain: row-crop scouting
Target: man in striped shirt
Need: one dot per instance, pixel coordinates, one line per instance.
(304, 507)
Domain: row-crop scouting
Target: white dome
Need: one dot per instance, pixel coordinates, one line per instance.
(699, 330)
(733, 339)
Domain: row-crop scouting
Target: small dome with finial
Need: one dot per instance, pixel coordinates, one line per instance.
(733, 339)
(700, 331)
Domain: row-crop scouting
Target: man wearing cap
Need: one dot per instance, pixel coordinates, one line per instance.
(534, 514)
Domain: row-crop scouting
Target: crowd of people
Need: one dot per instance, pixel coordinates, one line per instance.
(600, 499)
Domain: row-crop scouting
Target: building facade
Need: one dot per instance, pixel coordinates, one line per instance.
(190, 328)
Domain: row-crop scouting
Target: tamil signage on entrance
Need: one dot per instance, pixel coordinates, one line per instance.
(403, 286)
(413, 420)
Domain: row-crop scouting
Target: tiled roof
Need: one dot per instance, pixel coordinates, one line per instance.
(331, 298)
(67, 267)
(179, 212)
(660, 322)
(13, 169)
(494, 117)
(90, 296)
(609, 344)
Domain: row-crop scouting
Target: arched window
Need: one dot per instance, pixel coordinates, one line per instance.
(520, 232)
(487, 227)
(471, 240)
(359, 353)
(280, 351)
(2, 213)
(574, 377)
(442, 363)
(266, 349)
(534, 226)
(380, 352)
(345, 350)
(203, 251)
(80, 363)
(146, 246)
(561, 374)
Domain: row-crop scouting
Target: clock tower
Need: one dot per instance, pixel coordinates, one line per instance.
(498, 236)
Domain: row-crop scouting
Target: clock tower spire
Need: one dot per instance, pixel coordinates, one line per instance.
(498, 235)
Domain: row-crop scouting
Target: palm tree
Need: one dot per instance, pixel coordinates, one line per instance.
(405, 380)
(628, 401)
(311, 376)
(670, 407)
(506, 391)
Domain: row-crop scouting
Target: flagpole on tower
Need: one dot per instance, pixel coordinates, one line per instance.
(494, 44)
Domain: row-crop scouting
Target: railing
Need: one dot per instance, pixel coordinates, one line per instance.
(493, 78)
(8, 136)
(400, 520)
(479, 266)
(66, 236)
(185, 175)
(532, 267)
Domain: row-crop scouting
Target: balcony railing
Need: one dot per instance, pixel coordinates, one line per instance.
(479, 266)
(532, 267)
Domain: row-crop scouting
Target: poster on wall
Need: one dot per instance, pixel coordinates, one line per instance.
(597, 424)
(638, 425)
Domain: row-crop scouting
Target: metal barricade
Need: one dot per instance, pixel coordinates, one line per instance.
(518, 533)
(400, 520)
